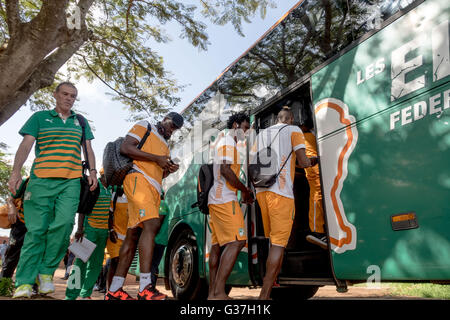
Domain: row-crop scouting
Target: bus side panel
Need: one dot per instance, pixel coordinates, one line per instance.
(382, 113)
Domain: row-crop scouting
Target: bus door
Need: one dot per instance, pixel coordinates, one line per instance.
(382, 115)
(304, 263)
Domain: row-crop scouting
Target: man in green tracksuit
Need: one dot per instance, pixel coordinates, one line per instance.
(53, 192)
(95, 227)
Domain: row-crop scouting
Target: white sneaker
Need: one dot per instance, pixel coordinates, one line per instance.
(45, 282)
(23, 291)
(320, 240)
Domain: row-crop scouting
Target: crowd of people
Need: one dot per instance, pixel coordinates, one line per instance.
(131, 218)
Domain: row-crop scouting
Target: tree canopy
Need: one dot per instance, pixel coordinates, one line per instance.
(105, 39)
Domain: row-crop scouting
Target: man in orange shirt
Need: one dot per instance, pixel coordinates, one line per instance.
(142, 187)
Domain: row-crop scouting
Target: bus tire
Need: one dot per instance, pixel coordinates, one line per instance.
(185, 283)
(293, 293)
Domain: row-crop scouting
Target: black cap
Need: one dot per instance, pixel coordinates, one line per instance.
(176, 118)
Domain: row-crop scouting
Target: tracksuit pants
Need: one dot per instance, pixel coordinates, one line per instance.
(50, 206)
(83, 276)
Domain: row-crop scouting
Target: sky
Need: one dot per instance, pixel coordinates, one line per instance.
(190, 67)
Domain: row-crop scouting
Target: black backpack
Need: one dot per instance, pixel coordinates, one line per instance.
(115, 164)
(204, 184)
(88, 198)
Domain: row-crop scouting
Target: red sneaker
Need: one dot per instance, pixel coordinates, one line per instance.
(150, 293)
(118, 295)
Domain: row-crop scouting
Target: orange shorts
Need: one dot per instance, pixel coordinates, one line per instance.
(143, 199)
(113, 248)
(278, 214)
(226, 223)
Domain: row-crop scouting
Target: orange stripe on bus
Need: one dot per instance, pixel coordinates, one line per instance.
(346, 122)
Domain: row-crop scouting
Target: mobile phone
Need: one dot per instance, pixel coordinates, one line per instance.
(175, 160)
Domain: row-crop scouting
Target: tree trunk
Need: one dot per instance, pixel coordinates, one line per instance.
(36, 51)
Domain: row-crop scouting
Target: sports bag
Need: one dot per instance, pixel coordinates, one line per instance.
(205, 182)
(260, 173)
(88, 198)
(115, 164)
(4, 221)
(18, 202)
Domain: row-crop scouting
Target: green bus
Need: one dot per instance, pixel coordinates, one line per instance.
(374, 76)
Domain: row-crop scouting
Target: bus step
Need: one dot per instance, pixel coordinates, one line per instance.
(306, 264)
(306, 281)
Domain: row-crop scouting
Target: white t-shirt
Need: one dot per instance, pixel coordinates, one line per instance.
(225, 150)
(290, 138)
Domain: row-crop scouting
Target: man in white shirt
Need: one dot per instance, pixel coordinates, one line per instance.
(277, 202)
(226, 219)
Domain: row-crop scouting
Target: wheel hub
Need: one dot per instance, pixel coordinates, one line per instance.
(182, 265)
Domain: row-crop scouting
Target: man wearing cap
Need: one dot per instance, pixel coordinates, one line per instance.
(142, 187)
(94, 227)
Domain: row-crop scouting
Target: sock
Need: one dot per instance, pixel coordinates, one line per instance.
(144, 280)
(116, 283)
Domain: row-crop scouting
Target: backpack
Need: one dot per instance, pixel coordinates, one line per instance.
(205, 182)
(4, 209)
(4, 221)
(88, 198)
(260, 173)
(115, 164)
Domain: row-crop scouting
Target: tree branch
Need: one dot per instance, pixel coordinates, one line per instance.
(42, 77)
(108, 85)
(130, 5)
(12, 17)
(125, 54)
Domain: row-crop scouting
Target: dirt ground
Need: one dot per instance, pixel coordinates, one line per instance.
(326, 292)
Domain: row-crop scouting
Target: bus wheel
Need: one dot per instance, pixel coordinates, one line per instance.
(293, 293)
(183, 269)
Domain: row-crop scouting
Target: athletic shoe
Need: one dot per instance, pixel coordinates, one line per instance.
(150, 293)
(318, 239)
(85, 298)
(23, 291)
(45, 282)
(118, 295)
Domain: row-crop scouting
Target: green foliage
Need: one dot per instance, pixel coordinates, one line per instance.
(423, 290)
(6, 287)
(119, 50)
(5, 171)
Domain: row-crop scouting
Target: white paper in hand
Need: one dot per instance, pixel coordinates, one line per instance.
(82, 249)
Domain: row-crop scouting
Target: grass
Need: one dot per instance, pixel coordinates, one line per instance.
(6, 287)
(421, 290)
